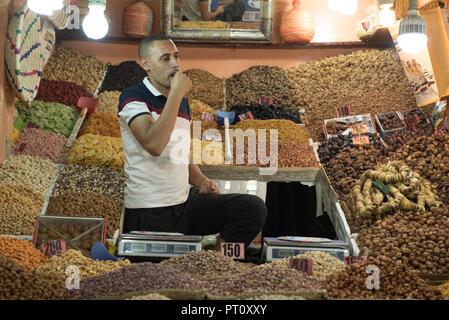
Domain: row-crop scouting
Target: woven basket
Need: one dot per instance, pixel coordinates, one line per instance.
(137, 20)
(23, 53)
(48, 40)
(59, 18)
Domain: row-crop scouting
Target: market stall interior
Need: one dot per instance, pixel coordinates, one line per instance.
(343, 132)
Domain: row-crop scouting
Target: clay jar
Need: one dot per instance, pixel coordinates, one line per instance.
(297, 25)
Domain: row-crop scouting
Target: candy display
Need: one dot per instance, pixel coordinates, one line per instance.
(42, 144)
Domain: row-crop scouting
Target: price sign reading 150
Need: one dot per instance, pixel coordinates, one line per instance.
(233, 250)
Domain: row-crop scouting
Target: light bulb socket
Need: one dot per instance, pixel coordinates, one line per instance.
(412, 5)
(386, 3)
(99, 3)
(413, 23)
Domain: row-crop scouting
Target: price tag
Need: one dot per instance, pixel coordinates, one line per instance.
(303, 265)
(246, 116)
(351, 259)
(54, 247)
(360, 140)
(359, 128)
(343, 111)
(411, 120)
(265, 101)
(442, 131)
(208, 116)
(233, 250)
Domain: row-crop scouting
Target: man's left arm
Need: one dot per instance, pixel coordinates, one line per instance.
(199, 180)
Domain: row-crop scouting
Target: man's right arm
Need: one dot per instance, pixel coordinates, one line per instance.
(155, 135)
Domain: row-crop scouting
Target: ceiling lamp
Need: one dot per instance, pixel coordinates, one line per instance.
(412, 30)
(45, 7)
(347, 6)
(332, 4)
(387, 16)
(95, 25)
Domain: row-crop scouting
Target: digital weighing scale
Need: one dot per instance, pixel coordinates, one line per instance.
(157, 244)
(284, 247)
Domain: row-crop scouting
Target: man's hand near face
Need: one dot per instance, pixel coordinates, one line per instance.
(180, 83)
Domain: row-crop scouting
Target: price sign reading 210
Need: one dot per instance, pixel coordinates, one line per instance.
(233, 250)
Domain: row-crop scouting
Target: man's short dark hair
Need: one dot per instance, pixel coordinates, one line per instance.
(147, 43)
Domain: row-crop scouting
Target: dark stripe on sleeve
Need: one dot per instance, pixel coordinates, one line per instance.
(137, 115)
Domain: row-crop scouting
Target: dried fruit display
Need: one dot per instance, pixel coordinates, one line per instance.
(22, 252)
(122, 76)
(87, 204)
(333, 146)
(206, 88)
(102, 124)
(19, 283)
(388, 189)
(50, 116)
(197, 108)
(205, 264)
(365, 80)
(248, 86)
(71, 65)
(41, 143)
(323, 264)
(108, 101)
(419, 240)
(429, 156)
(262, 278)
(87, 266)
(105, 180)
(136, 277)
(95, 150)
(63, 92)
(32, 172)
(396, 281)
(262, 112)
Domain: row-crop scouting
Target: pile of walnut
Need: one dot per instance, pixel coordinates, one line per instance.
(407, 191)
(395, 281)
(419, 240)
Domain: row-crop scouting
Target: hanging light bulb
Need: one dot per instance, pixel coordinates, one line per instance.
(387, 16)
(412, 30)
(95, 25)
(45, 7)
(332, 4)
(347, 6)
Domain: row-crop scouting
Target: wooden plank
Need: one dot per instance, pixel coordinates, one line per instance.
(253, 173)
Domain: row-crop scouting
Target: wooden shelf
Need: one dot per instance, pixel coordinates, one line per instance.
(381, 39)
(254, 173)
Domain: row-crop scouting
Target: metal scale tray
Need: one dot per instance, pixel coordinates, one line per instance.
(157, 244)
(276, 248)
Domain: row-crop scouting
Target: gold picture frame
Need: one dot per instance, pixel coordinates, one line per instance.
(232, 32)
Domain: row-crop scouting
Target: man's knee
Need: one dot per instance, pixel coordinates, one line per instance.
(256, 208)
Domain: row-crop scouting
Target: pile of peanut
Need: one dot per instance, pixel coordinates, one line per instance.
(323, 264)
(108, 101)
(87, 267)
